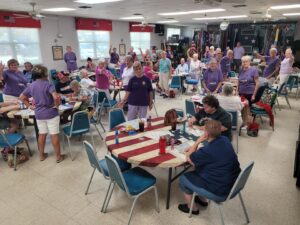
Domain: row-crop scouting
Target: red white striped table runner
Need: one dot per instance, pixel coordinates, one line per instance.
(142, 152)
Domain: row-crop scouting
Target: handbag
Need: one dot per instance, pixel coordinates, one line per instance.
(170, 117)
(253, 129)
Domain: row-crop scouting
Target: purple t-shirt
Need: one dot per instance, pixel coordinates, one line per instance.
(70, 59)
(225, 65)
(271, 65)
(102, 80)
(114, 58)
(212, 79)
(139, 88)
(246, 80)
(41, 91)
(15, 83)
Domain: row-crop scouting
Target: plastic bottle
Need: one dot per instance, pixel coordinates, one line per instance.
(117, 137)
(149, 121)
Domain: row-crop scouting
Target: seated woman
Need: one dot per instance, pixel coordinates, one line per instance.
(216, 167)
(103, 78)
(63, 84)
(80, 94)
(229, 101)
(212, 78)
(138, 94)
(90, 66)
(86, 82)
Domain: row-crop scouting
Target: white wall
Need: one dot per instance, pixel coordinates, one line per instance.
(49, 31)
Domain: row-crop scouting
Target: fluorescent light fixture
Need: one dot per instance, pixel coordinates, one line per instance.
(58, 9)
(168, 21)
(291, 14)
(233, 17)
(96, 1)
(132, 18)
(191, 12)
(285, 6)
(206, 18)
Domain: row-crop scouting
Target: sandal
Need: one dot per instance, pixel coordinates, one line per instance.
(44, 157)
(62, 157)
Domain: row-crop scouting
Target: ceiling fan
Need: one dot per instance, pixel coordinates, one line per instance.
(217, 2)
(144, 23)
(34, 14)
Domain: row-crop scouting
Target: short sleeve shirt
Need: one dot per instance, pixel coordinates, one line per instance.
(139, 88)
(247, 80)
(15, 83)
(212, 78)
(164, 65)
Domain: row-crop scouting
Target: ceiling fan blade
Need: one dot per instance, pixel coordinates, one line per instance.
(19, 15)
(137, 25)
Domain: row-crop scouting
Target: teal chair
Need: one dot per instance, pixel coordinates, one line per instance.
(100, 165)
(293, 82)
(283, 91)
(179, 112)
(190, 108)
(116, 117)
(176, 83)
(135, 182)
(106, 104)
(235, 190)
(80, 125)
(12, 141)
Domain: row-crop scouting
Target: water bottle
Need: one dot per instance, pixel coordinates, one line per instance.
(149, 121)
(117, 137)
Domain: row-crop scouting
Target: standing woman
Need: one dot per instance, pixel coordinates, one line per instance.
(103, 78)
(46, 110)
(212, 78)
(70, 59)
(28, 72)
(138, 94)
(195, 69)
(165, 69)
(286, 66)
(15, 81)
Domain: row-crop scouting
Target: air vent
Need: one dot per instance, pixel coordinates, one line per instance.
(170, 18)
(239, 6)
(255, 12)
(137, 14)
(84, 7)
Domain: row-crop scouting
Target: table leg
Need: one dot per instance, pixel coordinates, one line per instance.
(169, 188)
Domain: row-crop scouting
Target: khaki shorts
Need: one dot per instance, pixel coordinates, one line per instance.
(164, 81)
(50, 126)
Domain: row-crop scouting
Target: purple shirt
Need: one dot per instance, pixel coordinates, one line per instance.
(246, 80)
(15, 83)
(272, 64)
(139, 88)
(114, 58)
(102, 80)
(225, 65)
(41, 91)
(238, 52)
(70, 59)
(212, 79)
(286, 66)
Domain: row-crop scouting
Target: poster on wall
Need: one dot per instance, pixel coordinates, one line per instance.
(57, 52)
(122, 49)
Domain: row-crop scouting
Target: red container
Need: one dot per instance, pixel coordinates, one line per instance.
(162, 145)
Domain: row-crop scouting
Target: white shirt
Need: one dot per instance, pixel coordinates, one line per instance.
(195, 66)
(231, 103)
(86, 83)
(127, 75)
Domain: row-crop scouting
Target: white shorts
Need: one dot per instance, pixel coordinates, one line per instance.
(164, 81)
(50, 126)
(283, 78)
(9, 97)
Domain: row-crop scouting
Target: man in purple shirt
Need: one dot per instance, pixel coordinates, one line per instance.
(46, 106)
(212, 78)
(225, 63)
(15, 81)
(238, 53)
(70, 59)
(114, 57)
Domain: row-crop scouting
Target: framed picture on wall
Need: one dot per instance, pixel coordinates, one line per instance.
(57, 52)
(122, 49)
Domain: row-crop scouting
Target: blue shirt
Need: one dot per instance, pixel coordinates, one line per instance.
(216, 167)
(182, 68)
(164, 65)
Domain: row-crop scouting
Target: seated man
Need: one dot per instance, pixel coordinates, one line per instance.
(212, 110)
(63, 85)
(216, 167)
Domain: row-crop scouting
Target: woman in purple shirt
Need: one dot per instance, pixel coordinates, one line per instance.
(248, 83)
(103, 78)
(212, 78)
(15, 81)
(70, 59)
(226, 62)
(46, 110)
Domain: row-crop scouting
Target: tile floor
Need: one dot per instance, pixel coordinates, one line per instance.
(47, 193)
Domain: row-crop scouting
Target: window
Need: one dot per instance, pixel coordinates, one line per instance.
(173, 31)
(20, 43)
(94, 44)
(140, 40)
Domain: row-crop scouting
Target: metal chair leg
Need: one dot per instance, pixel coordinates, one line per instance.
(244, 208)
(88, 187)
(105, 199)
(109, 197)
(29, 150)
(92, 137)
(192, 204)
(98, 131)
(15, 158)
(278, 104)
(131, 210)
(156, 199)
(221, 214)
(70, 148)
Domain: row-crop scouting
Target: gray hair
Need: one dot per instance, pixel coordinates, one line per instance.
(74, 83)
(102, 60)
(246, 58)
(273, 50)
(129, 58)
(229, 52)
(227, 89)
(213, 60)
(83, 71)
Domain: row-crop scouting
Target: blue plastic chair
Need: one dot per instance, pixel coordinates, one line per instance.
(100, 165)
(54, 79)
(293, 82)
(176, 83)
(190, 108)
(80, 125)
(235, 190)
(190, 81)
(115, 117)
(135, 182)
(179, 112)
(234, 126)
(283, 91)
(12, 141)
(1, 97)
(107, 104)
(95, 120)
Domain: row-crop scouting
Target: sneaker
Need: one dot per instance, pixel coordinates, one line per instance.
(184, 208)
